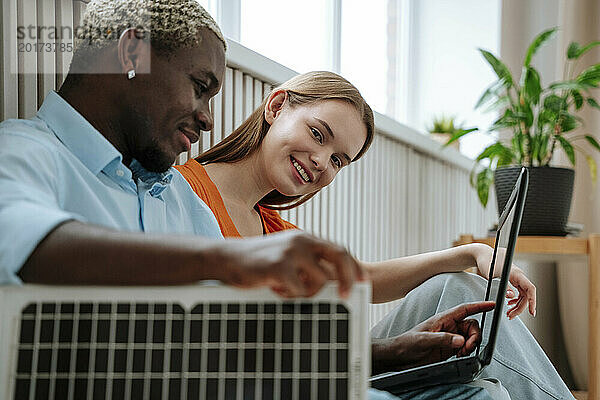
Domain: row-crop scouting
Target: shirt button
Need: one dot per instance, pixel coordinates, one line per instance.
(120, 172)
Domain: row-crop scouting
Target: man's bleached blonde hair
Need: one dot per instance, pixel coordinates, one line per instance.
(171, 24)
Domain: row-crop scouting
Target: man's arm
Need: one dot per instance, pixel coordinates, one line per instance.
(435, 339)
(78, 253)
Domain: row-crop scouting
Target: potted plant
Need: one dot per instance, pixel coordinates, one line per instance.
(541, 120)
(443, 128)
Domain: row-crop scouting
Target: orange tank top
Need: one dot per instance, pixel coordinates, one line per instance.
(205, 188)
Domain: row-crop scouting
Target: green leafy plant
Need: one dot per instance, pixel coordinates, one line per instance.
(448, 127)
(540, 119)
(444, 124)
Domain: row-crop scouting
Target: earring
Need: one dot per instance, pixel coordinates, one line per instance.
(131, 74)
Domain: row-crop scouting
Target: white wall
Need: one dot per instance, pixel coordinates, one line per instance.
(521, 22)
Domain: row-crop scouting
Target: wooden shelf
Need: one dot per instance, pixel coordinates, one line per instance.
(538, 244)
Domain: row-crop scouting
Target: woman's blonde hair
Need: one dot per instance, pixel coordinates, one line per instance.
(304, 89)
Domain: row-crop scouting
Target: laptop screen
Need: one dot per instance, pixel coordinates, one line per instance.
(502, 235)
(502, 259)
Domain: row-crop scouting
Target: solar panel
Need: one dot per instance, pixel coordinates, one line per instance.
(219, 343)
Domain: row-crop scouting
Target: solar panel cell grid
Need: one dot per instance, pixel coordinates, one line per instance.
(289, 350)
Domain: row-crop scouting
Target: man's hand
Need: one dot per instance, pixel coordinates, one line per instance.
(526, 290)
(435, 339)
(292, 263)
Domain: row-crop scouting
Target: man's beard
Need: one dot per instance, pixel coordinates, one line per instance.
(147, 151)
(153, 159)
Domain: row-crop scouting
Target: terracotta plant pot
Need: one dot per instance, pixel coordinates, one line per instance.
(548, 200)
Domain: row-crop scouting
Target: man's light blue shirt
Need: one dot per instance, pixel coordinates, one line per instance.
(56, 167)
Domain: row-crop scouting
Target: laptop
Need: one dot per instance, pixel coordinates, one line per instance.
(465, 369)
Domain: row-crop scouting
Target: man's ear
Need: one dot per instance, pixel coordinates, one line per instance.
(134, 52)
(274, 105)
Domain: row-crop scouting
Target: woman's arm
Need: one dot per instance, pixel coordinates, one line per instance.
(393, 279)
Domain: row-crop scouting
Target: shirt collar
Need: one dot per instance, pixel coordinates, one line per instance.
(77, 134)
(148, 177)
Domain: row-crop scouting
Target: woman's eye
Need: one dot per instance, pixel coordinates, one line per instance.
(337, 162)
(317, 135)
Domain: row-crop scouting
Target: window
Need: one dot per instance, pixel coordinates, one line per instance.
(447, 72)
(411, 59)
(296, 34)
(363, 49)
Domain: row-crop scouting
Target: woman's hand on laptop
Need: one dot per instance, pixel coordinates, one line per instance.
(525, 297)
(435, 339)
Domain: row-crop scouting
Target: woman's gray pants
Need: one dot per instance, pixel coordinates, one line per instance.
(519, 363)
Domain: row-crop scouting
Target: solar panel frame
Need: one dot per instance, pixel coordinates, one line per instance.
(127, 310)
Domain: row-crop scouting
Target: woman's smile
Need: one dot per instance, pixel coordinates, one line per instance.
(302, 174)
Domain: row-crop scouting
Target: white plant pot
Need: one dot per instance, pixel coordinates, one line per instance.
(443, 138)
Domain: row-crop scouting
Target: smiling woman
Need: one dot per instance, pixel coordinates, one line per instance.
(289, 148)
(302, 140)
(294, 105)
